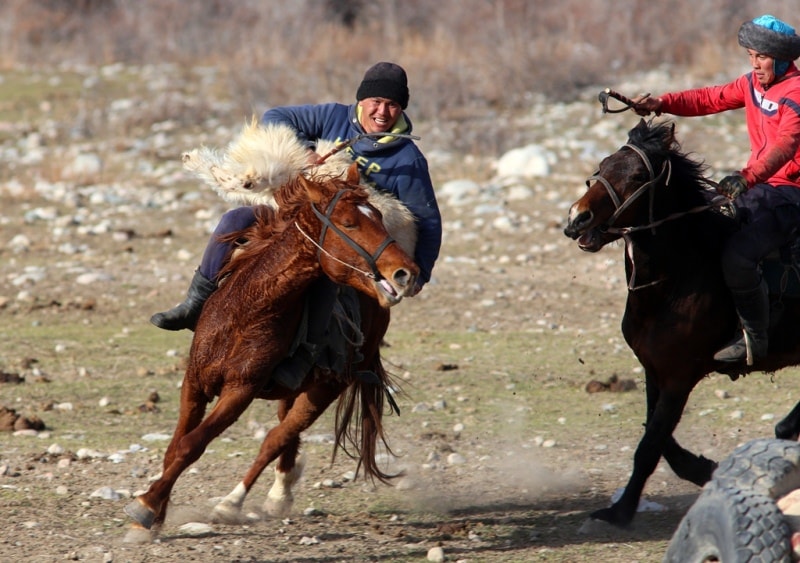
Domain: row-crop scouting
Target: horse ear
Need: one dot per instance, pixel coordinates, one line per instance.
(353, 176)
(312, 189)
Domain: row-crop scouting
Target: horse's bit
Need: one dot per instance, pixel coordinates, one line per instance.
(370, 259)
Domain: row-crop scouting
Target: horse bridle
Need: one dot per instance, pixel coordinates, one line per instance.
(325, 219)
(621, 206)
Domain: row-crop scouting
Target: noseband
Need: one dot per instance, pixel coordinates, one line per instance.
(325, 219)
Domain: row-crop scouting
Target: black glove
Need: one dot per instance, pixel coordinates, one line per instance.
(732, 186)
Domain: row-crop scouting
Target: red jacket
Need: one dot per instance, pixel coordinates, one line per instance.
(773, 122)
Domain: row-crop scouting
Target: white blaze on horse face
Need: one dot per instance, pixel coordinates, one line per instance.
(368, 211)
(573, 213)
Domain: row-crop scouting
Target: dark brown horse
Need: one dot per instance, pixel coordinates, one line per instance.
(248, 326)
(679, 311)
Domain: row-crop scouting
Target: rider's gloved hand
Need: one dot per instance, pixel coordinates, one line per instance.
(644, 105)
(732, 186)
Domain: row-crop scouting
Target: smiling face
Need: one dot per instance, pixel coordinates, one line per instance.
(378, 115)
(763, 67)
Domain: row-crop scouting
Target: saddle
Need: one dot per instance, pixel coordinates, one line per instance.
(329, 332)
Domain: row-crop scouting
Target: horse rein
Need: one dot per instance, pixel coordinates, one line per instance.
(325, 219)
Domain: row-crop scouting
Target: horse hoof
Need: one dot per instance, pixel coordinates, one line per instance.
(278, 507)
(611, 517)
(140, 513)
(138, 535)
(227, 513)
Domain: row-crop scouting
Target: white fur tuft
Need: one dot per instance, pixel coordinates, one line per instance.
(262, 158)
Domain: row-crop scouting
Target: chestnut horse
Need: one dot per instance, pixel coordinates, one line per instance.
(248, 325)
(679, 311)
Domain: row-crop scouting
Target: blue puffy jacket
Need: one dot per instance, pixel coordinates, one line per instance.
(397, 167)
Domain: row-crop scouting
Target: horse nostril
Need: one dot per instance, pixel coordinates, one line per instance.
(576, 224)
(402, 277)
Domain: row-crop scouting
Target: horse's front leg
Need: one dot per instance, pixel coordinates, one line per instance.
(192, 409)
(666, 413)
(150, 507)
(686, 465)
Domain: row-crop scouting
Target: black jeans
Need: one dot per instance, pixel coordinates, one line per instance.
(770, 217)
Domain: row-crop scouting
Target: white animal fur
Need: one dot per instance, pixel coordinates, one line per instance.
(262, 158)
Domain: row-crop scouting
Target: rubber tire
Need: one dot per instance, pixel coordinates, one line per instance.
(732, 526)
(769, 467)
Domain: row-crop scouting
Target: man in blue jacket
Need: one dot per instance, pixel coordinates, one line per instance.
(392, 164)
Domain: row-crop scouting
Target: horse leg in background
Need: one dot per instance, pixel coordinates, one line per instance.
(187, 448)
(288, 471)
(659, 427)
(789, 427)
(282, 440)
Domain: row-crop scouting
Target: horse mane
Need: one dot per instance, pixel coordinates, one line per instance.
(270, 221)
(659, 142)
(688, 183)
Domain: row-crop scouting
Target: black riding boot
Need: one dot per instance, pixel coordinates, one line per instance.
(186, 314)
(753, 309)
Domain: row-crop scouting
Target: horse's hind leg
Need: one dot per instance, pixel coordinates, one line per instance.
(185, 450)
(287, 472)
(283, 440)
(789, 427)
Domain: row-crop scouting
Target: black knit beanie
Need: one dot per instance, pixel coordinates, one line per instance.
(385, 80)
(770, 36)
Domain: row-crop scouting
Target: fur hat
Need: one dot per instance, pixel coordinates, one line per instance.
(770, 36)
(385, 80)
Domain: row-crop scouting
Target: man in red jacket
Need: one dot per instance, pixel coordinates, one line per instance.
(766, 192)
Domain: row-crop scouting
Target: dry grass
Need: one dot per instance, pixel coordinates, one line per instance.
(460, 53)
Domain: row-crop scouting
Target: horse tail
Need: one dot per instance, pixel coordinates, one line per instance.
(364, 402)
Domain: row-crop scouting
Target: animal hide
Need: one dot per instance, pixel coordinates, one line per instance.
(262, 158)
